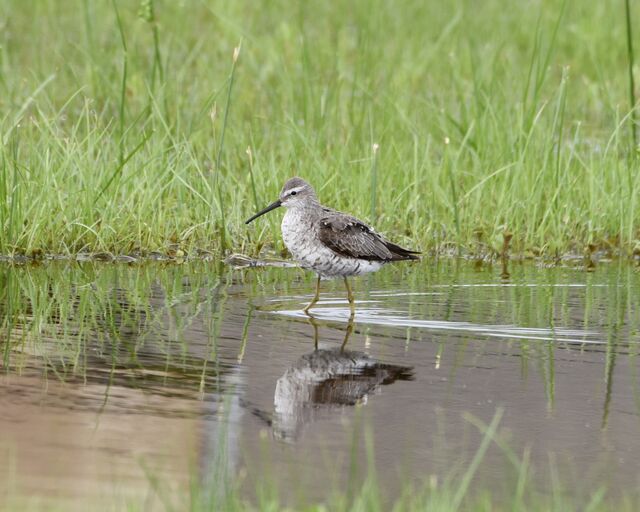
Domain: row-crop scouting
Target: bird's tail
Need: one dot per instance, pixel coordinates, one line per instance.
(398, 253)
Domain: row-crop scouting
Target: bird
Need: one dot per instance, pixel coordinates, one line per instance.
(330, 243)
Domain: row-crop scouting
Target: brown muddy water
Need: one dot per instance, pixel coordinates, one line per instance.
(123, 384)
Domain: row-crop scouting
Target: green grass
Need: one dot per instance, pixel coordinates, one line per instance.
(128, 126)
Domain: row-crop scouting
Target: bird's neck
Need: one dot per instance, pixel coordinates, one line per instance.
(309, 208)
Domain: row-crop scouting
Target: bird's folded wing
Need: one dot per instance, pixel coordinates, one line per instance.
(347, 236)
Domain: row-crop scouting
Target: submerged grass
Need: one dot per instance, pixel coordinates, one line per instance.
(221, 490)
(449, 494)
(128, 325)
(484, 122)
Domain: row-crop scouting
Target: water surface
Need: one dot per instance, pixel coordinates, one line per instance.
(123, 383)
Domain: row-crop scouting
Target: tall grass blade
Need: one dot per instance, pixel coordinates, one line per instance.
(632, 86)
(374, 183)
(123, 82)
(223, 225)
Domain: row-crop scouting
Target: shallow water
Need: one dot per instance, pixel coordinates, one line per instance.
(121, 384)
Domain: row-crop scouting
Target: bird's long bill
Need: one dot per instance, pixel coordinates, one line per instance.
(272, 206)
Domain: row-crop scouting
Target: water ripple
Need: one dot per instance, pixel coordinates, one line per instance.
(385, 317)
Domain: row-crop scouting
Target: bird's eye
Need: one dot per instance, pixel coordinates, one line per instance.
(293, 192)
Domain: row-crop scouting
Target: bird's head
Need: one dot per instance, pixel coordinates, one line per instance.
(296, 193)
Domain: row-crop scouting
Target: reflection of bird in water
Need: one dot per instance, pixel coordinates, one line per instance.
(328, 378)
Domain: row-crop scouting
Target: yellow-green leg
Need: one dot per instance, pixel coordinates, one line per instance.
(352, 302)
(352, 307)
(315, 299)
(312, 321)
(347, 334)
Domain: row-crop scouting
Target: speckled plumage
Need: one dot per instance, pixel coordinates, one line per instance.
(301, 232)
(332, 243)
(329, 242)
